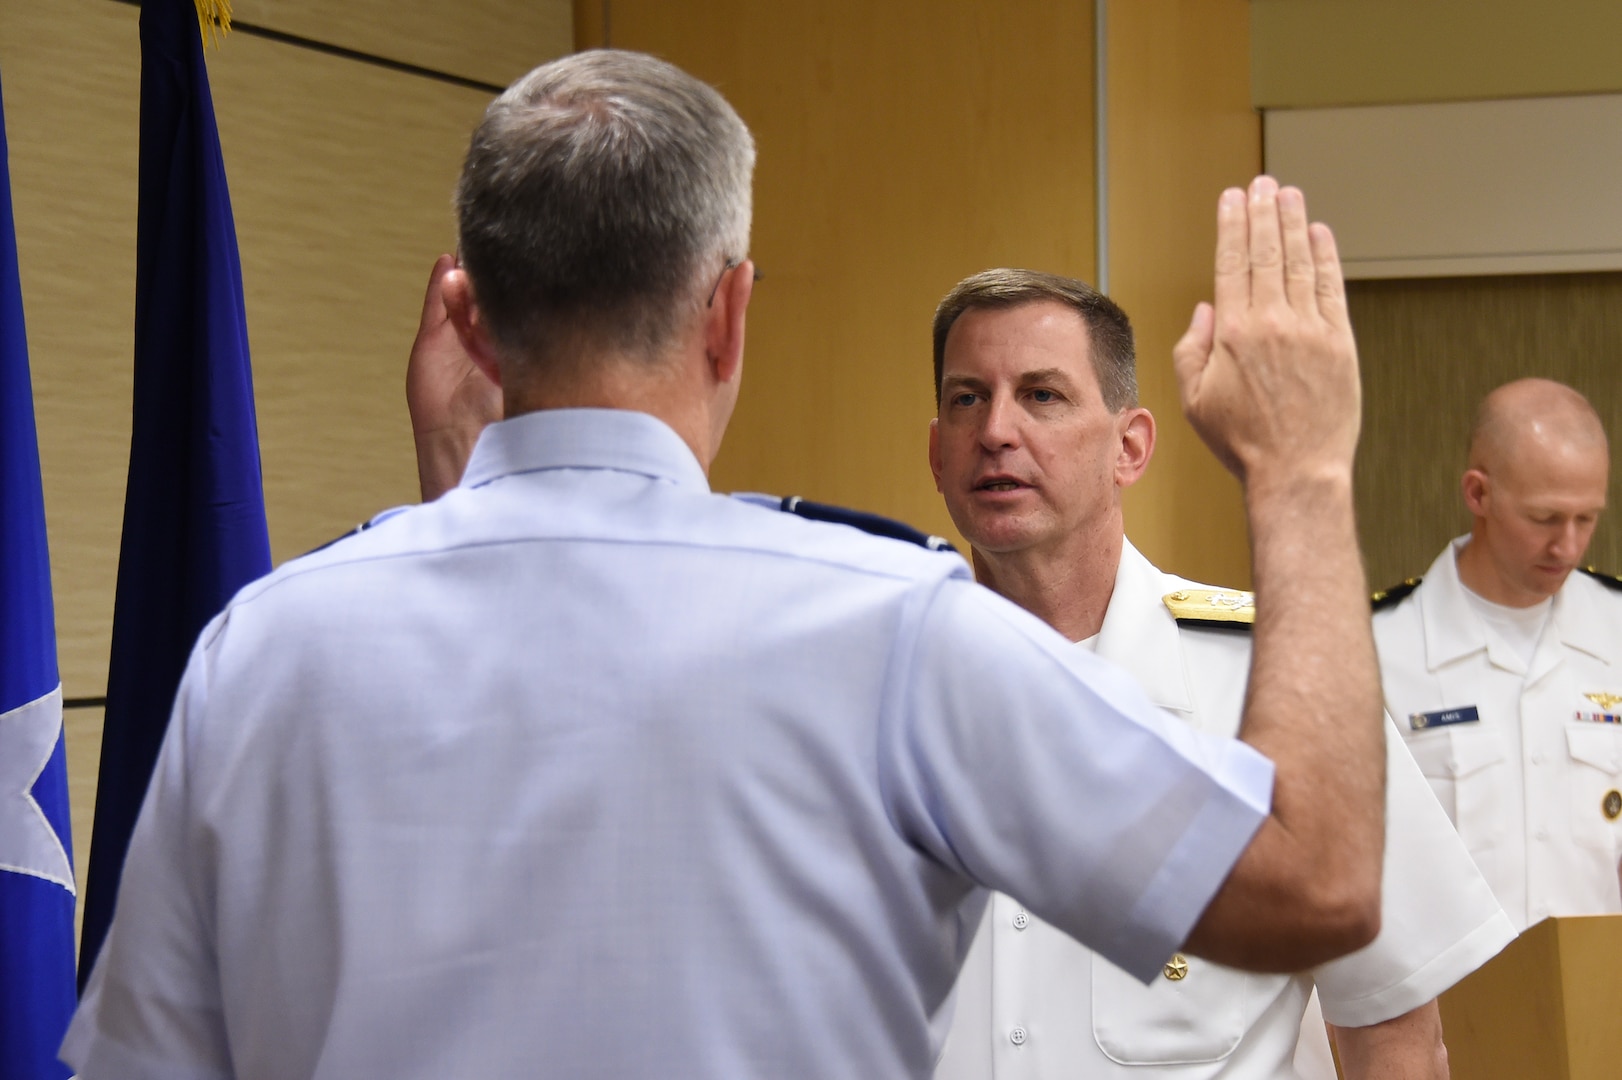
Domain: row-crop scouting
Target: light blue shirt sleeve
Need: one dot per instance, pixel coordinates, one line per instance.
(1040, 771)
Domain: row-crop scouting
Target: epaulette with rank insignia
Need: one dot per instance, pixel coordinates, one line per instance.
(874, 524)
(1395, 595)
(358, 529)
(1610, 581)
(1214, 609)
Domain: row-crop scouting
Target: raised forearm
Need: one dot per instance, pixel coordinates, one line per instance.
(1269, 377)
(449, 398)
(442, 457)
(1314, 703)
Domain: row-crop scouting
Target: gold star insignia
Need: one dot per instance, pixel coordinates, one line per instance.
(1176, 968)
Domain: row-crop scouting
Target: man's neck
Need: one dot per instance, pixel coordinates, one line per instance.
(1477, 574)
(1067, 588)
(634, 385)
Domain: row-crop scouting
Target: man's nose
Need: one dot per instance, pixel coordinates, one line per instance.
(1001, 427)
(1569, 542)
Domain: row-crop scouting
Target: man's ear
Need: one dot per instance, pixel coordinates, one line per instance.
(1136, 427)
(471, 330)
(724, 319)
(1477, 489)
(935, 450)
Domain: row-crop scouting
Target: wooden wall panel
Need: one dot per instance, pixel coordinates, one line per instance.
(1180, 130)
(72, 82)
(341, 178)
(492, 41)
(341, 175)
(902, 146)
(71, 74)
(1364, 52)
(1430, 350)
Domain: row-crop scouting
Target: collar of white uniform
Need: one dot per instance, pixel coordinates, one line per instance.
(615, 439)
(1140, 634)
(1453, 629)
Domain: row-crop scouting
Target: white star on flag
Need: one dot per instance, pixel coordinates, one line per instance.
(28, 843)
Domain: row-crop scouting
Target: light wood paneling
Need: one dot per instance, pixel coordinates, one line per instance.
(1430, 351)
(493, 41)
(81, 729)
(902, 146)
(1180, 130)
(341, 178)
(72, 76)
(1363, 52)
(341, 175)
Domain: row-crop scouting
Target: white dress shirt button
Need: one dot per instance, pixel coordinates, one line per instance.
(1021, 920)
(1018, 1036)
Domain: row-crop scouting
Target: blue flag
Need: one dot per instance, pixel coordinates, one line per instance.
(36, 871)
(194, 510)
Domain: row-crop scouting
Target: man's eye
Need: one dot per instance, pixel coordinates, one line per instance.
(1044, 397)
(965, 399)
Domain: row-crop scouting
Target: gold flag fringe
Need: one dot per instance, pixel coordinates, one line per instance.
(214, 18)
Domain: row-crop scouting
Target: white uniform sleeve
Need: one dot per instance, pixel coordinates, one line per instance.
(1038, 770)
(1438, 919)
(152, 1008)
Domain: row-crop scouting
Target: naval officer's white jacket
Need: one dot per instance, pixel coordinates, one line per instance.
(1032, 1003)
(1533, 776)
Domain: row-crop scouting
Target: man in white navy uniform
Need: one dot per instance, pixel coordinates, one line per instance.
(1039, 432)
(1503, 668)
(582, 770)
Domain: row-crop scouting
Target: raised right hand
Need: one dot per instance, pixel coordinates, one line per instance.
(1269, 377)
(449, 398)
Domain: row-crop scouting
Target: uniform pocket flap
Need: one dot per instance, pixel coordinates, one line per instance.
(1196, 1012)
(1472, 751)
(1596, 745)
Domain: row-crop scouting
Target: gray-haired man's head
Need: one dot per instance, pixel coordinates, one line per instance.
(601, 194)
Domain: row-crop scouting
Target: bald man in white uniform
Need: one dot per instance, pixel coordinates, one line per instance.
(1503, 667)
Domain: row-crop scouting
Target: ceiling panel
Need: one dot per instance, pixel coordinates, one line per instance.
(1460, 188)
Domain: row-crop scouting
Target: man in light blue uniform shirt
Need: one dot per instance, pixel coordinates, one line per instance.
(583, 770)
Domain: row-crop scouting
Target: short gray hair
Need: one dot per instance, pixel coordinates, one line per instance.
(597, 192)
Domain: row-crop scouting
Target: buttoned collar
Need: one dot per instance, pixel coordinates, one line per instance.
(1453, 629)
(583, 439)
(1140, 635)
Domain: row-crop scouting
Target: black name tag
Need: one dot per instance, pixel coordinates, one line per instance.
(1424, 721)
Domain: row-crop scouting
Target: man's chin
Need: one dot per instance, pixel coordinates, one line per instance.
(1544, 583)
(1001, 536)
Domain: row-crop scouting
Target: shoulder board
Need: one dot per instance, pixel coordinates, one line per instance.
(861, 519)
(1221, 609)
(1610, 581)
(358, 529)
(1395, 595)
